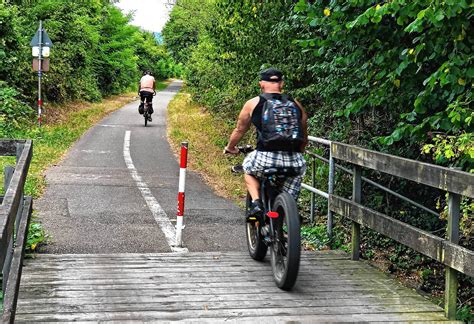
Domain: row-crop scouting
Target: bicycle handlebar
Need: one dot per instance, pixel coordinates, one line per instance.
(246, 149)
(243, 149)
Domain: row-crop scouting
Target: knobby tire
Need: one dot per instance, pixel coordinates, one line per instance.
(286, 249)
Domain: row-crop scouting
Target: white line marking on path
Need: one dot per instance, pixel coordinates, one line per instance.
(107, 125)
(158, 213)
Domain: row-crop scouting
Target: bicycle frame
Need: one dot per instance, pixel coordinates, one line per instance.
(268, 193)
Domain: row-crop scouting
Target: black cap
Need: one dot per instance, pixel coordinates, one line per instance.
(271, 75)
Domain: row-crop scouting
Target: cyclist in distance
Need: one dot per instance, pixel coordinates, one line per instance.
(282, 135)
(146, 90)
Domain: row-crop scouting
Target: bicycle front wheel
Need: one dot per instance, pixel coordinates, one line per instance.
(257, 248)
(286, 247)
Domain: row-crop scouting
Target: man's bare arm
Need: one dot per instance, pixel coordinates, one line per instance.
(243, 124)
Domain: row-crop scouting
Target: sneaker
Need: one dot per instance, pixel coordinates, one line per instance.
(149, 118)
(255, 211)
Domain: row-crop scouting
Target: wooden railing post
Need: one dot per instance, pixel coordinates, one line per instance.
(330, 192)
(454, 204)
(357, 198)
(8, 173)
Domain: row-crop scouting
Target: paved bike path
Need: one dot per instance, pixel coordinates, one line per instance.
(107, 197)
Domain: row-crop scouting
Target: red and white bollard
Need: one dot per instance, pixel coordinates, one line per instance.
(182, 181)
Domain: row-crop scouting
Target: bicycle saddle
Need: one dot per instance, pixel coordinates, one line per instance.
(237, 169)
(288, 172)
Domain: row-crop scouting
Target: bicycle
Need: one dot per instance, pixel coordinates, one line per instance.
(279, 228)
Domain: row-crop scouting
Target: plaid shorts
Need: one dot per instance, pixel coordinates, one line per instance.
(257, 161)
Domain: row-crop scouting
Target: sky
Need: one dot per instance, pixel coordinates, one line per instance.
(150, 15)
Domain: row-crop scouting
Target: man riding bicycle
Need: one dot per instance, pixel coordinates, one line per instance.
(282, 135)
(146, 90)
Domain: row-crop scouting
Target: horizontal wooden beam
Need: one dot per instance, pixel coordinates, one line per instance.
(11, 292)
(429, 174)
(12, 199)
(8, 147)
(441, 250)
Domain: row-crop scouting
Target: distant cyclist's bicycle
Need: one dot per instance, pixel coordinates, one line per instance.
(146, 110)
(146, 114)
(279, 228)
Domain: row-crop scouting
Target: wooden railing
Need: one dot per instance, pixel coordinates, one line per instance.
(15, 214)
(457, 183)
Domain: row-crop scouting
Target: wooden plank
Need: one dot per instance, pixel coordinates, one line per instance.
(11, 291)
(240, 258)
(130, 283)
(292, 306)
(328, 313)
(209, 288)
(12, 199)
(8, 147)
(326, 254)
(441, 250)
(201, 265)
(429, 174)
(278, 299)
(246, 262)
(358, 293)
(190, 277)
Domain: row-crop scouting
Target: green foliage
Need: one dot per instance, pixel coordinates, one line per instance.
(449, 150)
(187, 21)
(96, 53)
(315, 237)
(413, 57)
(14, 113)
(36, 236)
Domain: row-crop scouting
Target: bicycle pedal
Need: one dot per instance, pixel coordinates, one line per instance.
(251, 219)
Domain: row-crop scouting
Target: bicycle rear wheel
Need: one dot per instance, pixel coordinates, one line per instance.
(145, 114)
(257, 248)
(286, 248)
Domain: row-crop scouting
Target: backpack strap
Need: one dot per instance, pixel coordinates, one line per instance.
(268, 96)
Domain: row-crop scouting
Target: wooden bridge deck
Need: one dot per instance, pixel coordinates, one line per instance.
(206, 287)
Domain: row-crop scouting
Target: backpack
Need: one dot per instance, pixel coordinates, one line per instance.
(282, 129)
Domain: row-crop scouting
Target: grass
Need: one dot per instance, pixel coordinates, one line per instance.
(52, 140)
(207, 136)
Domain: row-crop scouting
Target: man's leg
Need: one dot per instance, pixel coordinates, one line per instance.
(251, 167)
(141, 106)
(253, 186)
(149, 99)
(256, 207)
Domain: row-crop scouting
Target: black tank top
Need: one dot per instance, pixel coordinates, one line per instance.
(257, 116)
